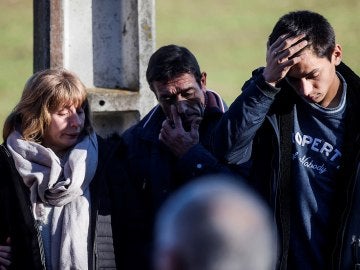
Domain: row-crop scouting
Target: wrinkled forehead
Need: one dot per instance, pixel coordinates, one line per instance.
(176, 85)
(183, 77)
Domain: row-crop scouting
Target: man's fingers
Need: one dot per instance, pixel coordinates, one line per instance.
(282, 55)
(286, 64)
(278, 43)
(175, 117)
(284, 46)
(289, 41)
(296, 48)
(164, 128)
(195, 124)
(161, 136)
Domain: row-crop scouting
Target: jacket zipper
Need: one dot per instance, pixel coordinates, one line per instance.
(355, 248)
(277, 174)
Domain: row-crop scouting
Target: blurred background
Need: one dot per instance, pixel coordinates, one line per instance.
(227, 36)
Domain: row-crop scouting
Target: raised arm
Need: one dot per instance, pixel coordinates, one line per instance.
(233, 137)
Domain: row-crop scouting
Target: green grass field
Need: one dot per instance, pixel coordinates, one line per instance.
(16, 44)
(227, 36)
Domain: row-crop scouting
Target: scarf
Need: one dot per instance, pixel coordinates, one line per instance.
(64, 185)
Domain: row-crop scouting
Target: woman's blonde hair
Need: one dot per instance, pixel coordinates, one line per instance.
(44, 93)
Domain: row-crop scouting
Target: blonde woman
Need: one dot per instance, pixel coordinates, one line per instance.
(52, 197)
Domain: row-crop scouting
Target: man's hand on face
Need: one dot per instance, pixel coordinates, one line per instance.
(173, 135)
(280, 57)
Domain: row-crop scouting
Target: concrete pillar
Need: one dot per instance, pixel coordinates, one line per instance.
(108, 44)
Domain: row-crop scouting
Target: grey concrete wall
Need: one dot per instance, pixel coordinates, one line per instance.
(108, 44)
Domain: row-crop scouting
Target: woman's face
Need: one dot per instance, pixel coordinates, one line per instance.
(65, 128)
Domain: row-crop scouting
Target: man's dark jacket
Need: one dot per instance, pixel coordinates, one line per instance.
(152, 174)
(256, 133)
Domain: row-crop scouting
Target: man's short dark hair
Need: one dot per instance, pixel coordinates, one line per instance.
(319, 33)
(171, 61)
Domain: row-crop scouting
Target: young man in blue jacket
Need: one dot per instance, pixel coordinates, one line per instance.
(166, 149)
(295, 127)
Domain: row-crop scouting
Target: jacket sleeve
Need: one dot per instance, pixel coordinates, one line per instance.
(232, 138)
(4, 199)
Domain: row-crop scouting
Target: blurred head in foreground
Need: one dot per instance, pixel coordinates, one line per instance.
(215, 223)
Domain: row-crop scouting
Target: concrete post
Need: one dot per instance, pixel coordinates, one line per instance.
(108, 44)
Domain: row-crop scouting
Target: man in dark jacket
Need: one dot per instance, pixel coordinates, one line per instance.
(296, 128)
(167, 148)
